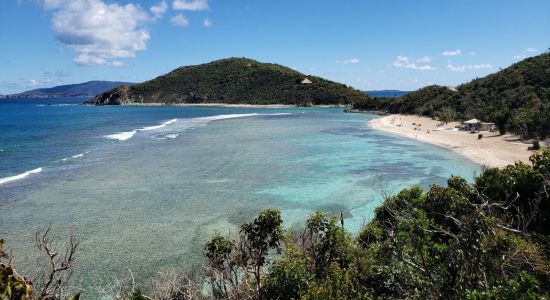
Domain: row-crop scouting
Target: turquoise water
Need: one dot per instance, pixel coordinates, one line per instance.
(146, 186)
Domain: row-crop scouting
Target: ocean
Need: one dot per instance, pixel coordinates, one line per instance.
(143, 187)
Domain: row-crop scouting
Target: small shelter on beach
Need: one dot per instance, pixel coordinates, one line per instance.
(476, 125)
(306, 81)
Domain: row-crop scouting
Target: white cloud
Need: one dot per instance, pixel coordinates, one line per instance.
(118, 63)
(159, 9)
(193, 5)
(426, 68)
(179, 20)
(472, 53)
(98, 32)
(463, 68)
(532, 49)
(405, 62)
(206, 22)
(424, 59)
(480, 66)
(451, 52)
(34, 83)
(520, 56)
(348, 61)
(452, 68)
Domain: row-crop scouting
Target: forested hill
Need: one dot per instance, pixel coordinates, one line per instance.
(234, 81)
(516, 98)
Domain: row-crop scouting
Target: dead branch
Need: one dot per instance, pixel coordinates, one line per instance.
(57, 275)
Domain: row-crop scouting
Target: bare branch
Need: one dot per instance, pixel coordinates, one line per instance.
(55, 278)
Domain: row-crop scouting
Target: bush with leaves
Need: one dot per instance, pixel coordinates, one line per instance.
(235, 268)
(12, 284)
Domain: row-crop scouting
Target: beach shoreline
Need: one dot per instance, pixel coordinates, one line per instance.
(493, 150)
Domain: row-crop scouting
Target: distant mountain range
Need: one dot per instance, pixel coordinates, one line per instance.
(86, 89)
(387, 93)
(234, 81)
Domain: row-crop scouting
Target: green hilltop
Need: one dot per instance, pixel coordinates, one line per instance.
(516, 98)
(233, 81)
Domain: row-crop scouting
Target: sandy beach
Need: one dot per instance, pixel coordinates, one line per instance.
(493, 150)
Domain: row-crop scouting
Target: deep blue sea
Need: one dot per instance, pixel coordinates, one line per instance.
(145, 186)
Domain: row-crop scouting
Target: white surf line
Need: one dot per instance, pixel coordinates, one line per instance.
(57, 105)
(158, 126)
(276, 114)
(74, 156)
(20, 176)
(171, 136)
(232, 116)
(123, 136)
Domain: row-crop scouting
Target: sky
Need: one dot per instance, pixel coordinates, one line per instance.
(367, 44)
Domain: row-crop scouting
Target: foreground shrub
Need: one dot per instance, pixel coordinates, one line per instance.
(536, 144)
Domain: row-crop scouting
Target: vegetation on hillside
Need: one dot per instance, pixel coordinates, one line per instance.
(234, 81)
(517, 99)
(484, 240)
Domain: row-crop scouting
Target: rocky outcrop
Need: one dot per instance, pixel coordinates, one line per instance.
(116, 96)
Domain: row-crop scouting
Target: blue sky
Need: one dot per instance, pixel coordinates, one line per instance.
(366, 44)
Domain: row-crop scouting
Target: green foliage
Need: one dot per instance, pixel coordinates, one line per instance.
(536, 144)
(487, 240)
(521, 189)
(12, 285)
(235, 268)
(218, 250)
(137, 295)
(288, 276)
(234, 81)
(325, 242)
(541, 161)
(517, 99)
(337, 284)
(257, 239)
(502, 119)
(524, 288)
(261, 235)
(446, 115)
(75, 297)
